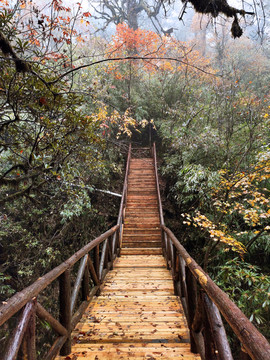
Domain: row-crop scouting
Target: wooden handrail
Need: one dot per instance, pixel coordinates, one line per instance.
(94, 265)
(17, 301)
(121, 214)
(125, 187)
(253, 341)
(209, 303)
(167, 250)
(157, 185)
(67, 300)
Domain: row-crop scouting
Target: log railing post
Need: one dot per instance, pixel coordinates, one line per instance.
(191, 304)
(118, 241)
(110, 251)
(85, 284)
(96, 259)
(163, 244)
(106, 254)
(78, 282)
(93, 273)
(175, 269)
(182, 270)
(169, 254)
(217, 328)
(19, 332)
(209, 343)
(65, 309)
(31, 335)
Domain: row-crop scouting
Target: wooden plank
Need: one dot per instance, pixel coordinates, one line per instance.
(146, 251)
(142, 244)
(138, 356)
(113, 292)
(121, 335)
(147, 317)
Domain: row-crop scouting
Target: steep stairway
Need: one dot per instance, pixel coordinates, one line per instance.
(142, 233)
(137, 315)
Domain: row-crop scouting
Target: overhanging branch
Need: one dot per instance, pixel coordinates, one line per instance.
(147, 58)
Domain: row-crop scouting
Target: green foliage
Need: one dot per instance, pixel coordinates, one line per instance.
(248, 287)
(4, 287)
(78, 202)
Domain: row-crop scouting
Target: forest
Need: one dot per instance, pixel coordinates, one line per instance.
(80, 81)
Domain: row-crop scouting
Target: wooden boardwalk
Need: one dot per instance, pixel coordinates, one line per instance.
(137, 315)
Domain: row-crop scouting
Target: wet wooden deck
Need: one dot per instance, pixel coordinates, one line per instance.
(137, 315)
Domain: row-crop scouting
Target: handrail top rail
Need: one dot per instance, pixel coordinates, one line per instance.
(254, 342)
(157, 186)
(18, 300)
(124, 187)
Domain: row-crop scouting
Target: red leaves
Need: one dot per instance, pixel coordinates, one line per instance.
(58, 6)
(42, 101)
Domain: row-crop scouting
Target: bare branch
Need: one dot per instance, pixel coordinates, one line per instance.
(129, 58)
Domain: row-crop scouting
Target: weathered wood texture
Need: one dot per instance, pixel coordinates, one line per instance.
(137, 315)
(19, 332)
(16, 302)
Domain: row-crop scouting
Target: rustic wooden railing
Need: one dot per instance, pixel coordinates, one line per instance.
(121, 215)
(203, 301)
(95, 262)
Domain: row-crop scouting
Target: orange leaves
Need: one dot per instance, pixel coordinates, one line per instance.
(139, 41)
(58, 6)
(165, 54)
(86, 14)
(22, 4)
(129, 42)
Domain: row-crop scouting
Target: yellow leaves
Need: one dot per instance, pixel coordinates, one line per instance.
(251, 217)
(244, 192)
(166, 66)
(216, 234)
(123, 122)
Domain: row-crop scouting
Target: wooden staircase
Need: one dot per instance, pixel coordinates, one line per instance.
(137, 315)
(142, 234)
